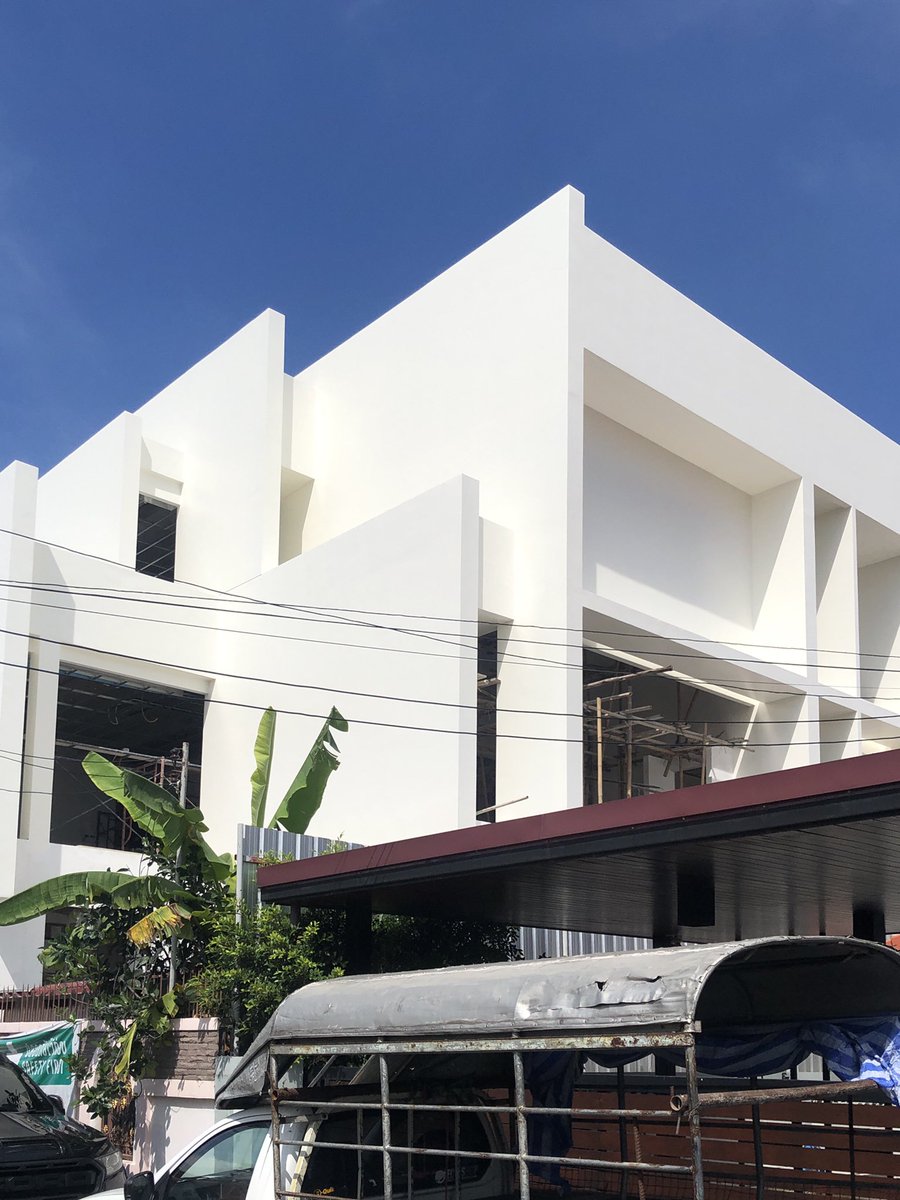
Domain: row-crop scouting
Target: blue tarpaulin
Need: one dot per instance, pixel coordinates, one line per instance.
(850, 1050)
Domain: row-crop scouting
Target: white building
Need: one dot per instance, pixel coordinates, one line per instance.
(546, 441)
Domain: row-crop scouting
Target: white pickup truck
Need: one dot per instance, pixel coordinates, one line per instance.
(466, 1084)
(233, 1160)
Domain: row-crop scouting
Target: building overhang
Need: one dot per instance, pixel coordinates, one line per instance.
(798, 851)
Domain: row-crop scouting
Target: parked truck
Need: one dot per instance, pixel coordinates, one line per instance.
(474, 1083)
(45, 1155)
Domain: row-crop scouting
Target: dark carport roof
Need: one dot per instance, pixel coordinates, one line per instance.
(794, 851)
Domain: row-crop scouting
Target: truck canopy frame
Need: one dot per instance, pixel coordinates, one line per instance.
(610, 1007)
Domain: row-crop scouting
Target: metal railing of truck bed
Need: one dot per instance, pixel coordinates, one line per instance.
(518, 1111)
(627, 1175)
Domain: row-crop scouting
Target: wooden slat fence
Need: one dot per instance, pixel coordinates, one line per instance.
(833, 1150)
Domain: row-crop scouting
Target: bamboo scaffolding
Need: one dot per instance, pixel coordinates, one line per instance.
(629, 729)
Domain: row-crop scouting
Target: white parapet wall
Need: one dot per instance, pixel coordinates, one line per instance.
(545, 441)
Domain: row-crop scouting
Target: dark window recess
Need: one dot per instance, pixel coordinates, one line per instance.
(486, 740)
(28, 686)
(156, 538)
(141, 726)
(645, 732)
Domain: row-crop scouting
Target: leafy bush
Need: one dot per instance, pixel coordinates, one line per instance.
(252, 964)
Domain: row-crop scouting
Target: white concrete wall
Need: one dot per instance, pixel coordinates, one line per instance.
(879, 613)
(837, 600)
(724, 385)
(474, 375)
(420, 557)
(545, 437)
(17, 509)
(664, 535)
(89, 501)
(168, 1115)
(224, 418)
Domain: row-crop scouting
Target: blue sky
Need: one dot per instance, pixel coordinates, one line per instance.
(168, 170)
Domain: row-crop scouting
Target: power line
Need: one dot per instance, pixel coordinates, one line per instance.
(456, 705)
(296, 712)
(734, 685)
(728, 683)
(345, 614)
(317, 615)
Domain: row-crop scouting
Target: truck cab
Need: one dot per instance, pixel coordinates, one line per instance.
(45, 1155)
(232, 1160)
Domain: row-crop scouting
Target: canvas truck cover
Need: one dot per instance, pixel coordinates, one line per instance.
(731, 985)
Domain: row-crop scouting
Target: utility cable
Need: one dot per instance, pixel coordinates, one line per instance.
(456, 705)
(257, 602)
(734, 685)
(318, 615)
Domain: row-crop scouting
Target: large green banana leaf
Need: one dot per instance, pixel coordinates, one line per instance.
(303, 797)
(259, 780)
(126, 1045)
(151, 807)
(86, 887)
(156, 811)
(220, 866)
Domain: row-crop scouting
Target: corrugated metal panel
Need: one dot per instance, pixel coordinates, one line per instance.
(254, 842)
(560, 943)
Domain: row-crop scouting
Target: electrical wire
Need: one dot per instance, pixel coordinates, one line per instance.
(312, 615)
(257, 602)
(740, 721)
(736, 686)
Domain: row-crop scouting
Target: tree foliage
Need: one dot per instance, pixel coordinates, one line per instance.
(422, 943)
(123, 935)
(121, 889)
(252, 964)
(126, 927)
(128, 1002)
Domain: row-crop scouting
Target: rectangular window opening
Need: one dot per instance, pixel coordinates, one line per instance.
(155, 554)
(140, 726)
(654, 733)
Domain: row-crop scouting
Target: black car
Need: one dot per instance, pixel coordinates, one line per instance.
(44, 1155)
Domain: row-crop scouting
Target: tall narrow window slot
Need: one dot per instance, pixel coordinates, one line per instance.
(156, 538)
(486, 747)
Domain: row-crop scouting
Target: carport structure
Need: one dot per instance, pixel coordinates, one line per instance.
(813, 850)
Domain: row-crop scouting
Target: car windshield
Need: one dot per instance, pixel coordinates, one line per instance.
(18, 1093)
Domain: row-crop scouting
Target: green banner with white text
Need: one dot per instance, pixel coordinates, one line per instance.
(42, 1054)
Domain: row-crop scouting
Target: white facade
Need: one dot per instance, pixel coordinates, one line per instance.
(547, 440)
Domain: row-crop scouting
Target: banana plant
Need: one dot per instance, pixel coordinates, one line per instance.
(157, 1018)
(121, 888)
(157, 812)
(168, 907)
(303, 798)
(164, 909)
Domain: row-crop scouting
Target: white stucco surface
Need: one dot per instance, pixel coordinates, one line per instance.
(545, 440)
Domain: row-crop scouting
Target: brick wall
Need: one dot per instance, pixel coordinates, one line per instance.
(191, 1052)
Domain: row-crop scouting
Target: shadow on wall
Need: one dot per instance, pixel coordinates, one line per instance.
(169, 1114)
